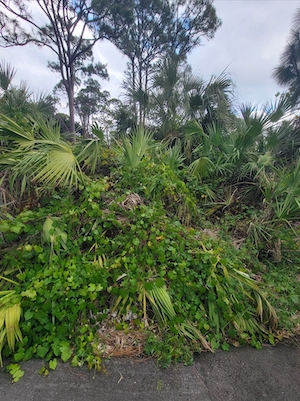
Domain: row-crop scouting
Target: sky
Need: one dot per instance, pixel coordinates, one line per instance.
(248, 46)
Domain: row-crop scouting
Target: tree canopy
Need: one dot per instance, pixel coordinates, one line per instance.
(67, 28)
(154, 29)
(288, 71)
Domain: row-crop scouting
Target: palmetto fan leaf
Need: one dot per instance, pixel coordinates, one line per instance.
(39, 153)
(134, 147)
(163, 308)
(201, 167)
(7, 73)
(264, 309)
(12, 131)
(174, 157)
(60, 168)
(287, 72)
(89, 153)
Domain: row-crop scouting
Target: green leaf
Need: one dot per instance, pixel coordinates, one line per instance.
(53, 364)
(271, 339)
(15, 370)
(75, 361)
(44, 371)
(19, 356)
(4, 226)
(136, 241)
(29, 293)
(92, 287)
(28, 315)
(294, 298)
(66, 353)
(225, 347)
(42, 350)
(149, 285)
(159, 282)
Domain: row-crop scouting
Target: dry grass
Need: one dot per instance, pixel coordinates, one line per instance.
(128, 342)
(131, 201)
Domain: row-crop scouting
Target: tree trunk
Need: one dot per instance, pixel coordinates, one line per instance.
(70, 92)
(133, 87)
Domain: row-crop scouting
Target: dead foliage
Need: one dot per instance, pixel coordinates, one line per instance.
(128, 342)
(131, 201)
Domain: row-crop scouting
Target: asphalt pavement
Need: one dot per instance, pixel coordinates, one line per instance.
(241, 374)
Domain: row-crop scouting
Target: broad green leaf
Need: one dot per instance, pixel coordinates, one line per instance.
(66, 353)
(53, 364)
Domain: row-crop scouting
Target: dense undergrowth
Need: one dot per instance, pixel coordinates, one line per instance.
(148, 252)
(100, 253)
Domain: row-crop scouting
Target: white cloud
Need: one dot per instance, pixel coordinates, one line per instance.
(108, 54)
(249, 42)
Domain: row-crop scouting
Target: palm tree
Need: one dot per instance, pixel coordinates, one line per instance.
(288, 72)
(18, 102)
(178, 95)
(31, 146)
(7, 73)
(14, 101)
(171, 86)
(212, 102)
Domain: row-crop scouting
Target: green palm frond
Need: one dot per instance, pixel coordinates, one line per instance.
(89, 154)
(286, 208)
(43, 103)
(162, 306)
(97, 131)
(201, 167)
(12, 131)
(249, 325)
(7, 74)
(264, 309)
(39, 153)
(10, 313)
(174, 157)
(59, 168)
(134, 147)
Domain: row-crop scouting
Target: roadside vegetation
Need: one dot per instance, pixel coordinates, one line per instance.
(178, 232)
(170, 257)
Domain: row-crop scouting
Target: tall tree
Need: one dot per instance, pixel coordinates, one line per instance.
(89, 101)
(68, 25)
(141, 42)
(288, 72)
(172, 83)
(191, 21)
(156, 27)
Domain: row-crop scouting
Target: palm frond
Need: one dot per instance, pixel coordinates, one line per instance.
(163, 308)
(89, 154)
(40, 153)
(134, 147)
(7, 74)
(10, 313)
(11, 130)
(201, 167)
(174, 157)
(265, 310)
